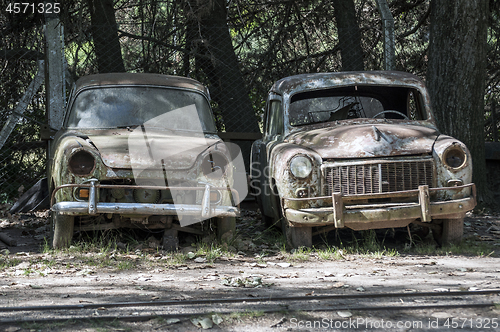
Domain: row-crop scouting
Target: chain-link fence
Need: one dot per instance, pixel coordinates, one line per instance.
(22, 104)
(238, 63)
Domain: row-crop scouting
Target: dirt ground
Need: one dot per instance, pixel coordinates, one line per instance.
(31, 276)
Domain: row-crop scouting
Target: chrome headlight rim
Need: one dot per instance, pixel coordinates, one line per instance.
(454, 151)
(301, 166)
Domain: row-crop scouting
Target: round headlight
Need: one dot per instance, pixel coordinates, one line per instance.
(300, 166)
(454, 157)
(81, 163)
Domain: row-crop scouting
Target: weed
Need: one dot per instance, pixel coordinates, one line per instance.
(330, 253)
(212, 251)
(301, 254)
(6, 262)
(125, 265)
(176, 259)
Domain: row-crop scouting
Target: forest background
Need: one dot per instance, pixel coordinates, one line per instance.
(238, 48)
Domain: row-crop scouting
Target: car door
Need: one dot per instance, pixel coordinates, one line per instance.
(261, 151)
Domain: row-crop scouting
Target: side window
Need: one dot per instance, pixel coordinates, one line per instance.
(275, 123)
(415, 111)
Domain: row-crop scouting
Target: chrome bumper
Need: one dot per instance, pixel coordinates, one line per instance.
(92, 207)
(377, 215)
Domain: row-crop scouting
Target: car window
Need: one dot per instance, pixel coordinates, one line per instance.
(344, 103)
(275, 118)
(113, 107)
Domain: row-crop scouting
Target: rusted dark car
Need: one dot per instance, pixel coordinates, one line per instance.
(140, 151)
(358, 150)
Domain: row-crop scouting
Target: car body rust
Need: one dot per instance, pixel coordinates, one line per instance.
(358, 150)
(136, 150)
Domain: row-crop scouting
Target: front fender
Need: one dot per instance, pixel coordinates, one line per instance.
(286, 183)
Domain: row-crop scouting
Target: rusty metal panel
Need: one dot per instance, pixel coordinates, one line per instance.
(378, 176)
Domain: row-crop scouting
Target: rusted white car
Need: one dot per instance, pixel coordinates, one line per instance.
(358, 150)
(141, 151)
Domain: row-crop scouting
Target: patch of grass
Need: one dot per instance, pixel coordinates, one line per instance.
(126, 265)
(330, 253)
(46, 247)
(465, 247)
(176, 259)
(369, 245)
(212, 251)
(7, 262)
(301, 254)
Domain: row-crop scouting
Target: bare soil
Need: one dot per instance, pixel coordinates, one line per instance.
(257, 268)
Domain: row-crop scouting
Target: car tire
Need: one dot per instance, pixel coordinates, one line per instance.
(62, 230)
(450, 231)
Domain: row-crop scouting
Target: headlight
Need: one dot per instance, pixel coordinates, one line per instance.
(300, 166)
(81, 163)
(454, 157)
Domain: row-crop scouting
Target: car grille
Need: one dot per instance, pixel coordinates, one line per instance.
(379, 177)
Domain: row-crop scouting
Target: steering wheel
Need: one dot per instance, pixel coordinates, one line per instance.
(392, 111)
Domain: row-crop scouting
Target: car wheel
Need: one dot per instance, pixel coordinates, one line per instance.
(296, 237)
(62, 230)
(451, 231)
(226, 228)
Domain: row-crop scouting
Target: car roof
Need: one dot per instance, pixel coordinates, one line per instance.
(139, 79)
(316, 81)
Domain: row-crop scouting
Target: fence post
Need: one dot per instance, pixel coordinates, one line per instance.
(388, 28)
(54, 80)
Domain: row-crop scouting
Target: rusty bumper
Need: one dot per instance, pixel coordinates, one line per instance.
(93, 207)
(367, 216)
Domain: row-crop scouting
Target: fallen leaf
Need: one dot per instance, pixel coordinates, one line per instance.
(217, 319)
(441, 290)
(200, 260)
(344, 314)
(171, 321)
(441, 314)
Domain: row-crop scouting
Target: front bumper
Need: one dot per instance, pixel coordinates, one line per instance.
(92, 207)
(367, 216)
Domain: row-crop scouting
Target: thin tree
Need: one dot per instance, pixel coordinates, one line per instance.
(105, 36)
(349, 35)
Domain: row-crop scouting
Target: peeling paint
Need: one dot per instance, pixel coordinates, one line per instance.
(381, 156)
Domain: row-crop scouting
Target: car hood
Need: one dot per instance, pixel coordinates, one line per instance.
(151, 149)
(367, 140)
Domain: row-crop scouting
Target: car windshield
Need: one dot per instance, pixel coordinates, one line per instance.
(344, 103)
(116, 107)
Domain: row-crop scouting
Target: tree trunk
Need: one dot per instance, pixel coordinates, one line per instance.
(349, 35)
(218, 61)
(456, 75)
(105, 36)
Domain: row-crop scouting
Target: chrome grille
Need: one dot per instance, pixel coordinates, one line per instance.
(379, 177)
